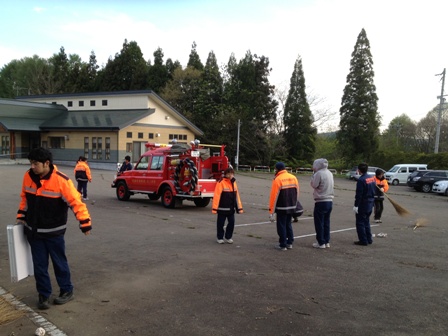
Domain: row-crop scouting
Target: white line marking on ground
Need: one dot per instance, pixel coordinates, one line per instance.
(301, 219)
(37, 319)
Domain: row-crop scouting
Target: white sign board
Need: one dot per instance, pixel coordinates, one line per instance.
(20, 260)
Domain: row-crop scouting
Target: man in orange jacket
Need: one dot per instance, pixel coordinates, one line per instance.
(283, 201)
(45, 198)
(226, 200)
(82, 176)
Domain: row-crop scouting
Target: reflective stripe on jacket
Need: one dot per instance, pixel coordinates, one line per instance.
(226, 198)
(284, 193)
(44, 204)
(82, 171)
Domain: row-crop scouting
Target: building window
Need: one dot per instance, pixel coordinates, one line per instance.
(107, 148)
(129, 147)
(129, 135)
(140, 135)
(57, 142)
(81, 103)
(86, 147)
(178, 136)
(94, 156)
(100, 148)
(104, 102)
(92, 103)
(151, 136)
(70, 103)
(5, 144)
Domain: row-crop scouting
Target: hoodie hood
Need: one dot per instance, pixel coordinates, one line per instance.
(320, 164)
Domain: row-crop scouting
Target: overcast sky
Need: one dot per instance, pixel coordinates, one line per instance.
(407, 38)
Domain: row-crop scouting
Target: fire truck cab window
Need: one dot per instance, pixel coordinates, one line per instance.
(143, 163)
(156, 163)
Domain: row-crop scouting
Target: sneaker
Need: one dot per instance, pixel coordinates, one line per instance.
(316, 245)
(220, 241)
(85, 199)
(278, 247)
(289, 246)
(43, 302)
(228, 241)
(360, 243)
(327, 245)
(63, 298)
(377, 221)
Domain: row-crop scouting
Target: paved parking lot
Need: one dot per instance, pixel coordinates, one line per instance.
(147, 270)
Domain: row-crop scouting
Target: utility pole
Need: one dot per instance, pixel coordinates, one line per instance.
(439, 117)
(238, 146)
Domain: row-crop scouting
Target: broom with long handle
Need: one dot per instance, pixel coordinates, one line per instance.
(398, 208)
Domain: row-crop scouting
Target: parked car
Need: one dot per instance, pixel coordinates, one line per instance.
(415, 176)
(426, 182)
(440, 187)
(400, 172)
(351, 173)
(370, 171)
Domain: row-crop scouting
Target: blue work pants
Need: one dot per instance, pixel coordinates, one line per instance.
(322, 211)
(53, 247)
(363, 222)
(284, 229)
(230, 225)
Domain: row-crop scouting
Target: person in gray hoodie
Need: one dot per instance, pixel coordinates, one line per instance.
(323, 185)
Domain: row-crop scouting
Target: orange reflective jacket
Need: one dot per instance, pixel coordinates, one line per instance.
(45, 202)
(226, 198)
(284, 193)
(82, 172)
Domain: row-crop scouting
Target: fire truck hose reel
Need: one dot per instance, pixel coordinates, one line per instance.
(190, 174)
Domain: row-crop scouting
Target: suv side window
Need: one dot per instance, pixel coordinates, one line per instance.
(156, 163)
(143, 164)
(403, 170)
(412, 169)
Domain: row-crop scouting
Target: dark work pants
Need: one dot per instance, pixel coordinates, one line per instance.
(363, 222)
(82, 188)
(379, 206)
(230, 225)
(322, 212)
(53, 247)
(284, 229)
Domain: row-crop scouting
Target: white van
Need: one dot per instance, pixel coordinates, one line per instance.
(400, 172)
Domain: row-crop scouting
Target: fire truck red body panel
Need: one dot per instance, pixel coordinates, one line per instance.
(174, 173)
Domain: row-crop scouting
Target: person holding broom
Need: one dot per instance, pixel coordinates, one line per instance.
(382, 187)
(364, 198)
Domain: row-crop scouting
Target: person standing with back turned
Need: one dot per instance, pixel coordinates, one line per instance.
(82, 176)
(283, 202)
(365, 193)
(45, 198)
(323, 184)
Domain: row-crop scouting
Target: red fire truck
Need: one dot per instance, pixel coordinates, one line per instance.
(174, 173)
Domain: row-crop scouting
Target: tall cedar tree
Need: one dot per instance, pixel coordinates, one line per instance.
(158, 73)
(300, 135)
(209, 110)
(249, 97)
(194, 60)
(60, 71)
(127, 71)
(359, 126)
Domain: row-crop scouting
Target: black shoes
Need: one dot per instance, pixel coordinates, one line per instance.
(43, 302)
(360, 243)
(63, 298)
